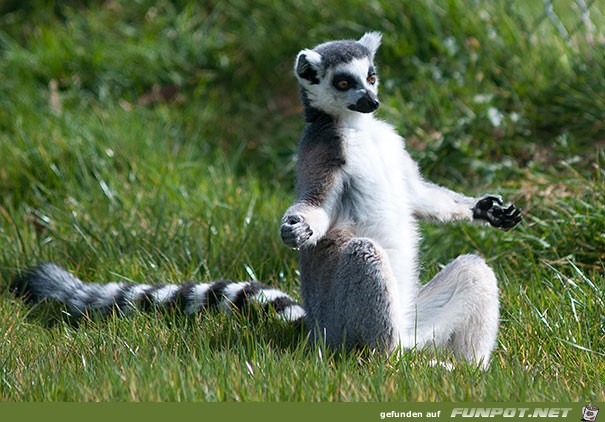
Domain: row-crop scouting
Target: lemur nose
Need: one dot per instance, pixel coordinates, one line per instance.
(369, 102)
(375, 103)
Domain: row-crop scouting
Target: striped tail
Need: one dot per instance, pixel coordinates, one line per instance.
(50, 281)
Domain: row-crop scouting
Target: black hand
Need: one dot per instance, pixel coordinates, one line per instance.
(490, 208)
(295, 231)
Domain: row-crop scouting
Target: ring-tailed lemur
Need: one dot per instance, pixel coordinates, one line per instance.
(354, 222)
(359, 196)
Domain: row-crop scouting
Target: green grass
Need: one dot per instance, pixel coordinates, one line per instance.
(103, 178)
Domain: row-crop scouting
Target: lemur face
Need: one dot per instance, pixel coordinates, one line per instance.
(339, 77)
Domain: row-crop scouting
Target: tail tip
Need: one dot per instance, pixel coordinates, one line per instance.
(28, 283)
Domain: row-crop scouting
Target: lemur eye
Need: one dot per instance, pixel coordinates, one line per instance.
(372, 79)
(344, 82)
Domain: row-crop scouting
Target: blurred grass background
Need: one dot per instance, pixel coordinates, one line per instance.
(154, 140)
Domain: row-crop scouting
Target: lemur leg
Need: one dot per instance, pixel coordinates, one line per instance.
(358, 294)
(459, 310)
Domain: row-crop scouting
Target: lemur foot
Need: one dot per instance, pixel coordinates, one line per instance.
(295, 231)
(490, 208)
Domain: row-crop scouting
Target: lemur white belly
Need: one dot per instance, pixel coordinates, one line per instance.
(375, 200)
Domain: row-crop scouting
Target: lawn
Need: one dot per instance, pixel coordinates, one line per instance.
(154, 141)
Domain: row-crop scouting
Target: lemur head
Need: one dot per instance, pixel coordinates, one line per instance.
(338, 77)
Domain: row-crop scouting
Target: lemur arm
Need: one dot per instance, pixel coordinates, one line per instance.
(319, 186)
(433, 202)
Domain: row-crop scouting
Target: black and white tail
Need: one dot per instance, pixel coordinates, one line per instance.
(50, 281)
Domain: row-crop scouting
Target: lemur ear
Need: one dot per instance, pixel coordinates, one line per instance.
(308, 65)
(371, 41)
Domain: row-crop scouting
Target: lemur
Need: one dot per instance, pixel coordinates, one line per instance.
(359, 196)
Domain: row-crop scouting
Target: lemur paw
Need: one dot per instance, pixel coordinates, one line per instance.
(295, 231)
(491, 209)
